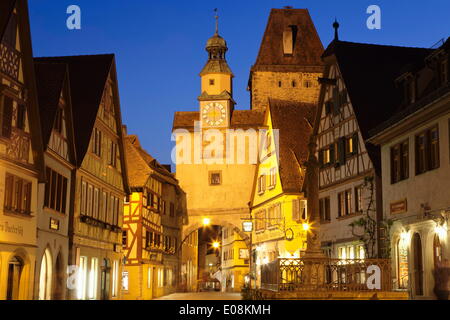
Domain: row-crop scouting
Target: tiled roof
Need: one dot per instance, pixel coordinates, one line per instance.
(49, 81)
(88, 76)
(294, 122)
(6, 8)
(141, 164)
(307, 49)
(369, 72)
(239, 119)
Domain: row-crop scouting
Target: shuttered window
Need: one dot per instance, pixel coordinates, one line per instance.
(6, 117)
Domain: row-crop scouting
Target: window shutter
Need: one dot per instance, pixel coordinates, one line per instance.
(7, 117)
(295, 209)
(332, 153)
(355, 143)
(321, 157)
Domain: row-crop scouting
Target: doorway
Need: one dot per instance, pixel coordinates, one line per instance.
(15, 269)
(106, 279)
(418, 265)
(45, 276)
(58, 292)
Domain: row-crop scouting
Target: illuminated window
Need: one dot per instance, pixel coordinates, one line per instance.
(82, 278)
(115, 282)
(93, 279)
(17, 195)
(324, 209)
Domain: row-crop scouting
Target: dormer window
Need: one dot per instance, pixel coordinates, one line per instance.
(410, 90)
(289, 37)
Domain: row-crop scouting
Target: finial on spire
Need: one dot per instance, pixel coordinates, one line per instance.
(336, 28)
(217, 20)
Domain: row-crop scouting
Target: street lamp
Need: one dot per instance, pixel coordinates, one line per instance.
(206, 221)
(306, 226)
(216, 245)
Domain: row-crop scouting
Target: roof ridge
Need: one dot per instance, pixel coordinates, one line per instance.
(382, 45)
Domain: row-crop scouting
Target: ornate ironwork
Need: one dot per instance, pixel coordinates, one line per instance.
(323, 274)
(9, 61)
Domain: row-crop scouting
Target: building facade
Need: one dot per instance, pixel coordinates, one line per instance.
(99, 181)
(279, 205)
(235, 261)
(54, 197)
(352, 225)
(416, 171)
(21, 154)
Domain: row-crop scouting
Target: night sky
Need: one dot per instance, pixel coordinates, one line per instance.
(160, 44)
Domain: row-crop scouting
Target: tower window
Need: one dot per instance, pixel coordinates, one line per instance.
(279, 84)
(307, 84)
(294, 84)
(211, 82)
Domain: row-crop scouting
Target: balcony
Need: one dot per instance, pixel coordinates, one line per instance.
(326, 275)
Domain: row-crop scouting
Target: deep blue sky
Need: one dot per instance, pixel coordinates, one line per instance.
(159, 44)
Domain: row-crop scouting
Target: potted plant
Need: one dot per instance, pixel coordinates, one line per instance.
(442, 279)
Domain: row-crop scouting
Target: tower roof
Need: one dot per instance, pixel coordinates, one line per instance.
(216, 46)
(307, 47)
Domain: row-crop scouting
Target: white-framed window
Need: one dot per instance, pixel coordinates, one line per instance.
(273, 178)
(261, 184)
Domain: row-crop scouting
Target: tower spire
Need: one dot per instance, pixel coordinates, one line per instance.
(217, 20)
(336, 28)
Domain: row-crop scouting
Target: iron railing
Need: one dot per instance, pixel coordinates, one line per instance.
(325, 274)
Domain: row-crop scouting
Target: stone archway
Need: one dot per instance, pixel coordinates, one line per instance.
(196, 222)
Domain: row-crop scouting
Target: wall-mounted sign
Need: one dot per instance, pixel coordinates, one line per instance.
(243, 254)
(54, 224)
(399, 207)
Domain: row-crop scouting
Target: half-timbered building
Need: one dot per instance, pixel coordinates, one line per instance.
(356, 95)
(21, 162)
(54, 203)
(153, 216)
(99, 180)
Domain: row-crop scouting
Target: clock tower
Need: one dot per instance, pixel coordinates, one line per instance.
(216, 100)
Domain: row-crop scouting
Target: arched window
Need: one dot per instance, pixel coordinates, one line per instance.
(15, 268)
(45, 276)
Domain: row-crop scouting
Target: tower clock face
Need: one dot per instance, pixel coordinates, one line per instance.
(214, 114)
